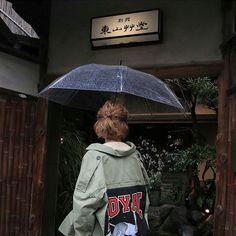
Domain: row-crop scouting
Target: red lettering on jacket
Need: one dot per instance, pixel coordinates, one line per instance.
(125, 199)
(136, 203)
(114, 204)
(113, 207)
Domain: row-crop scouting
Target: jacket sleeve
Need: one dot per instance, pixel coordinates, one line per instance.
(147, 182)
(145, 175)
(67, 227)
(89, 195)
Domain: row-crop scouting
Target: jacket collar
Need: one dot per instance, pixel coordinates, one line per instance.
(111, 151)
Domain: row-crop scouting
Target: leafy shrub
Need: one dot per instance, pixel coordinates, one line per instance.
(192, 157)
(155, 182)
(71, 152)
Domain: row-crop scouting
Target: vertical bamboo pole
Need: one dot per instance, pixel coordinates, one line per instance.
(5, 165)
(17, 175)
(20, 169)
(15, 167)
(2, 120)
(25, 164)
(29, 161)
(11, 133)
(23, 181)
(38, 170)
(23, 147)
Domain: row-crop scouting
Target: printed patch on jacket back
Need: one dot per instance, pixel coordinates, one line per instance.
(125, 212)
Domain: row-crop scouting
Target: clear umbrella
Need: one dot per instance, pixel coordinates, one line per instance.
(89, 86)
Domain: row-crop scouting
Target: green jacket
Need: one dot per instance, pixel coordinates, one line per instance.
(110, 197)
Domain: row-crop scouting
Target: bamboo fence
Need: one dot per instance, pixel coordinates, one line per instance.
(17, 118)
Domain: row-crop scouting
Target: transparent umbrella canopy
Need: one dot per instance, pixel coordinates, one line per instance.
(89, 86)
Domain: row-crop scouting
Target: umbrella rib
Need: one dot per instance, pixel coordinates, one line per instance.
(71, 96)
(121, 79)
(148, 107)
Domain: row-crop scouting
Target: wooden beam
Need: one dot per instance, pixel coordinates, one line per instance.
(31, 42)
(19, 53)
(169, 118)
(15, 94)
(185, 70)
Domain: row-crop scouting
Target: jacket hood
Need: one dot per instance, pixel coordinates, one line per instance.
(108, 150)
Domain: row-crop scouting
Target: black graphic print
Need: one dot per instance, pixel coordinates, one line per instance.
(125, 212)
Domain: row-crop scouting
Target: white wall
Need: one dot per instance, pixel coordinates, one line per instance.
(18, 75)
(191, 33)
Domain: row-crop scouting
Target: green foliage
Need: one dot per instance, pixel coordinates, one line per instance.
(192, 157)
(206, 198)
(204, 89)
(155, 182)
(173, 159)
(71, 153)
(179, 192)
(150, 154)
(199, 90)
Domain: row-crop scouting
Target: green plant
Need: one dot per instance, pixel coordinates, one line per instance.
(149, 155)
(188, 160)
(178, 192)
(71, 153)
(155, 158)
(199, 90)
(206, 198)
(155, 182)
(203, 91)
(192, 157)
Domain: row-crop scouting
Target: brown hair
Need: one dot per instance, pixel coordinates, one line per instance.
(112, 121)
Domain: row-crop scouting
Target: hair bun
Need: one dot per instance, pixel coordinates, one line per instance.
(112, 121)
(108, 116)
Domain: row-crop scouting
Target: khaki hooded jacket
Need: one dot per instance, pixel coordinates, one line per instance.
(110, 197)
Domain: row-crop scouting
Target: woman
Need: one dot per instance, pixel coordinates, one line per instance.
(110, 196)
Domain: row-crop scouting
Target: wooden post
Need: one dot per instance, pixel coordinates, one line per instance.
(225, 208)
(222, 157)
(51, 168)
(38, 169)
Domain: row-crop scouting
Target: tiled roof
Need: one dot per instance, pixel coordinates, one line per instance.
(14, 22)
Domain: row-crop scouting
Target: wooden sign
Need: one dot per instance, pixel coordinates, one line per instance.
(138, 27)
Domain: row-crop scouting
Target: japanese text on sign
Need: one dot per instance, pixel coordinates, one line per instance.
(125, 25)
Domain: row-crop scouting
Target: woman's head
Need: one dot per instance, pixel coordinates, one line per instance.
(112, 122)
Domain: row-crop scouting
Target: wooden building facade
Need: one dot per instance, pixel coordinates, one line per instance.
(28, 132)
(23, 118)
